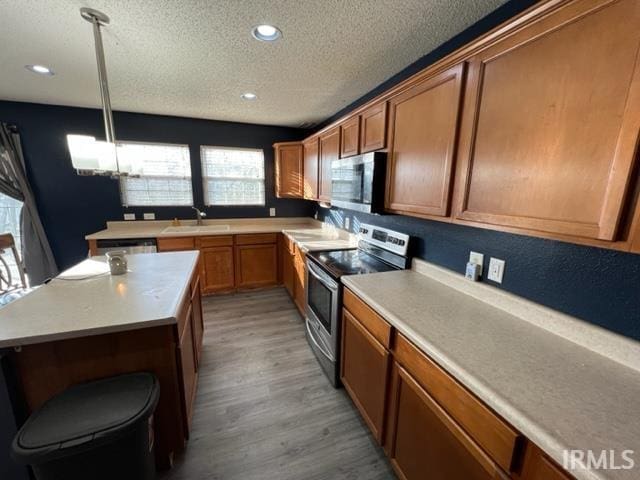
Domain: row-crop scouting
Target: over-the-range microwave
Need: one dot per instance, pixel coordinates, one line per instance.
(357, 183)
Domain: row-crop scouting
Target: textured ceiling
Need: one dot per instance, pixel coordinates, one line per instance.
(194, 58)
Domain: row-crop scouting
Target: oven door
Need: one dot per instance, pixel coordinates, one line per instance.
(323, 297)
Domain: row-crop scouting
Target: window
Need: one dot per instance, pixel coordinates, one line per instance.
(10, 223)
(164, 174)
(232, 176)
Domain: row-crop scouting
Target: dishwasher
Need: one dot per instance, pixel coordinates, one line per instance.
(129, 245)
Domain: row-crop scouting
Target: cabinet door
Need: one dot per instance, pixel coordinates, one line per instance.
(425, 442)
(373, 128)
(187, 358)
(289, 167)
(538, 467)
(363, 371)
(175, 244)
(256, 265)
(310, 168)
(288, 272)
(299, 280)
(552, 116)
(198, 322)
(329, 151)
(350, 137)
(422, 138)
(217, 269)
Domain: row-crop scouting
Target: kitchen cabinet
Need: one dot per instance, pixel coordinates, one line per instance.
(256, 260)
(310, 168)
(329, 151)
(287, 256)
(425, 442)
(217, 264)
(188, 370)
(423, 126)
(373, 128)
(289, 169)
(198, 321)
(551, 121)
(299, 280)
(350, 137)
(537, 466)
(363, 371)
(175, 244)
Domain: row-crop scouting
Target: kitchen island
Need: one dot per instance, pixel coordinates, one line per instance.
(86, 324)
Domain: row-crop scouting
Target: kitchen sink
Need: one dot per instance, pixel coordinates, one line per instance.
(196, 229)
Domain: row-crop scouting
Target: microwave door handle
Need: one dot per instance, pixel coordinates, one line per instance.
(329, 284)
(316, 342)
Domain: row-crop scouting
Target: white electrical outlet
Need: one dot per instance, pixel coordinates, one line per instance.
(496, 270)
(347, 223)
(476, 258)
(272, 212)
(149, 216)
(129, 216)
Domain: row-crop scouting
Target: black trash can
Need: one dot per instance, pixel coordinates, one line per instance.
(98, 430)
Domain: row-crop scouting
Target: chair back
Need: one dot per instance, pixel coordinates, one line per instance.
(7, 282)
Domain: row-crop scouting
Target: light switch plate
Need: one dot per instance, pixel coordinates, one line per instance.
(272, 212)
(149, 216)
(347, 223)
(129, 216)
(496, 270)
(477, 258)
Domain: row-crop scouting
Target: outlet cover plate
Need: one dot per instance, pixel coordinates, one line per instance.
(129, 216)
(272, 212)
(496, 270)
(477, 258)
(149, 216)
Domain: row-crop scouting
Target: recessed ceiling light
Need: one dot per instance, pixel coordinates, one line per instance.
(41, 69)
(248, 96)
(266, 33)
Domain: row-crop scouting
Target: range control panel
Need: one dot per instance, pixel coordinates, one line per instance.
(395, 242)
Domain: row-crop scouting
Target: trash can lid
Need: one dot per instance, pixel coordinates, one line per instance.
(85, 416)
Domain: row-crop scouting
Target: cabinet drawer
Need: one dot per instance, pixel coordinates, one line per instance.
(175, 243)
(497, 438)
(256, 238)
(373, 322)
(216, 241)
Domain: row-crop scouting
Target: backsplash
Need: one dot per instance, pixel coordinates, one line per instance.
(597, 285)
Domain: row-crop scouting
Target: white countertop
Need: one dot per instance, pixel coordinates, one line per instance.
(85, 301)
(558, 393)
(309, 234)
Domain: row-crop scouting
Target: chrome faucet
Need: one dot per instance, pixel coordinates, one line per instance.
(199, 215)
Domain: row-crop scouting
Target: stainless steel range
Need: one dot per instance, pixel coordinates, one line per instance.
(379, 250)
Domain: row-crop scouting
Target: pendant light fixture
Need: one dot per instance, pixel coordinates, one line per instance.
(88, 155)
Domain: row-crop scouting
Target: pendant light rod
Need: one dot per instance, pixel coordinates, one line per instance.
(97, 19)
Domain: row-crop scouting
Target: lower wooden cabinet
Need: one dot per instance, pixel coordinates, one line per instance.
(537, 466)
(256, 265)
(299, 280)
(217, 269)
(288, 271)
(363, 370)
(425, 442)
(198, 322)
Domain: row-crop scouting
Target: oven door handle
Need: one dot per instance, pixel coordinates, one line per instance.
(325, 281)
(316, 342)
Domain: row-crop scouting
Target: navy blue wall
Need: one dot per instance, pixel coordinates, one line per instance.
(72, 206)
(598, 285)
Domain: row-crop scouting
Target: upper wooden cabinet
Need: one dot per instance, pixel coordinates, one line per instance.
(373, 128)
(350, 137)
(423, 124)
(329, 151)
(551, 122)
(310, 168)
(289, 169)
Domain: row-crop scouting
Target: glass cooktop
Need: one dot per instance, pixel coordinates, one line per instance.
(349, 262)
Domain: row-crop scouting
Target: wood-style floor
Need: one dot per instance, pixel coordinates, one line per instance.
(264, 409)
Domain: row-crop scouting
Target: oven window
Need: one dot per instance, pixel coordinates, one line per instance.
(319, 299)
